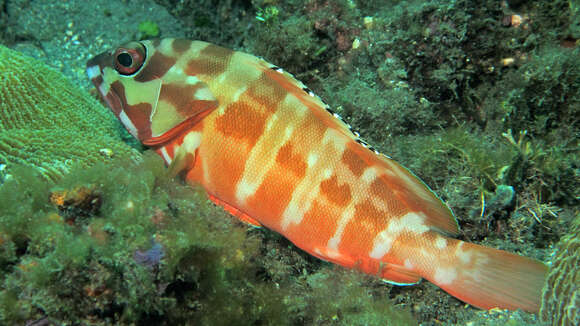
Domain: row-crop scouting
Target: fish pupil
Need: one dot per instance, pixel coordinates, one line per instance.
(125, 59)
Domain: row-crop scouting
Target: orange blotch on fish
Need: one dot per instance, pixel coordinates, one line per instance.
(353, 161)
(367, 222)
(316, 215)
(291, 161)
(224, 171)
(337, 194)
(273, 202)
(243, 122)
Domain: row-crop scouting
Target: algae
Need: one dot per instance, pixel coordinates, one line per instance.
(203, 267)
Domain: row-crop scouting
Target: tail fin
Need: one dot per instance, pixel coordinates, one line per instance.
(488, 278)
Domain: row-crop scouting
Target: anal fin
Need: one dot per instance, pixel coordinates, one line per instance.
(398, 275)
(236, 212)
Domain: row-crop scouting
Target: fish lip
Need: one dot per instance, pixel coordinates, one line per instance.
(94, 68)
(93, 71)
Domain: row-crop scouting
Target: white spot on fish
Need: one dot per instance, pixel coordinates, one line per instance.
(104, 88)
(93, 71)
(445, 276)
(238, 93)
(270, 123)
(178, 71)
(440, 242)
(293, 214)
(191, 141)
(311, 160)
(288, 131)
(369, 175)
(204, 94)
(128, 124)
(463, 256)
(191, 80)
(410, 222)
(165, 155)
(346, 216)
(244, 190)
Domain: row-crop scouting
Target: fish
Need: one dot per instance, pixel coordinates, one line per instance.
(274, 155)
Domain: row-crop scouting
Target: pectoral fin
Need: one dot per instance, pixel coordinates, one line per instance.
(182, 161)
(399, 275)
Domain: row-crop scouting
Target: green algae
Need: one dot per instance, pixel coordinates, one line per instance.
(212, 271)
(148, 29)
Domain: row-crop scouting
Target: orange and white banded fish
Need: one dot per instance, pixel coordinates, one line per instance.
(273, 154)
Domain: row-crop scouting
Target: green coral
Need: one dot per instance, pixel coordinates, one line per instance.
(561, 295)
(48, 123)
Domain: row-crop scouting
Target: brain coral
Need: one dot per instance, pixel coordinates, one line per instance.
(561, 295)
(50, 124)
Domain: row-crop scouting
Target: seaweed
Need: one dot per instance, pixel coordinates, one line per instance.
(155, 251)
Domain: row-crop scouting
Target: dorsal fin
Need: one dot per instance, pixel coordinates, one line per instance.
(411, 191)
(417, 194)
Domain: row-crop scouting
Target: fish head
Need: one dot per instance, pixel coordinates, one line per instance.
(145, 86)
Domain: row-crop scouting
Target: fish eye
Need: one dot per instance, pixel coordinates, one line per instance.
(129, 58)
(125, 59)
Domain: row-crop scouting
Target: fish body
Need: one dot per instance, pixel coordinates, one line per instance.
(273, 154)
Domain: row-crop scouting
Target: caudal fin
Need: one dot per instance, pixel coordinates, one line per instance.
(488, 278)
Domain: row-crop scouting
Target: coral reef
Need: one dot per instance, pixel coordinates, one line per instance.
(158, 252)
(561, 297)
(49, 124)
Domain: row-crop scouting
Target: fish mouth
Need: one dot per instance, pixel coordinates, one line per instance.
(94, 71)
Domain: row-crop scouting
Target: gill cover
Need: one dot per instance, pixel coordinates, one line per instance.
(147, 88)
